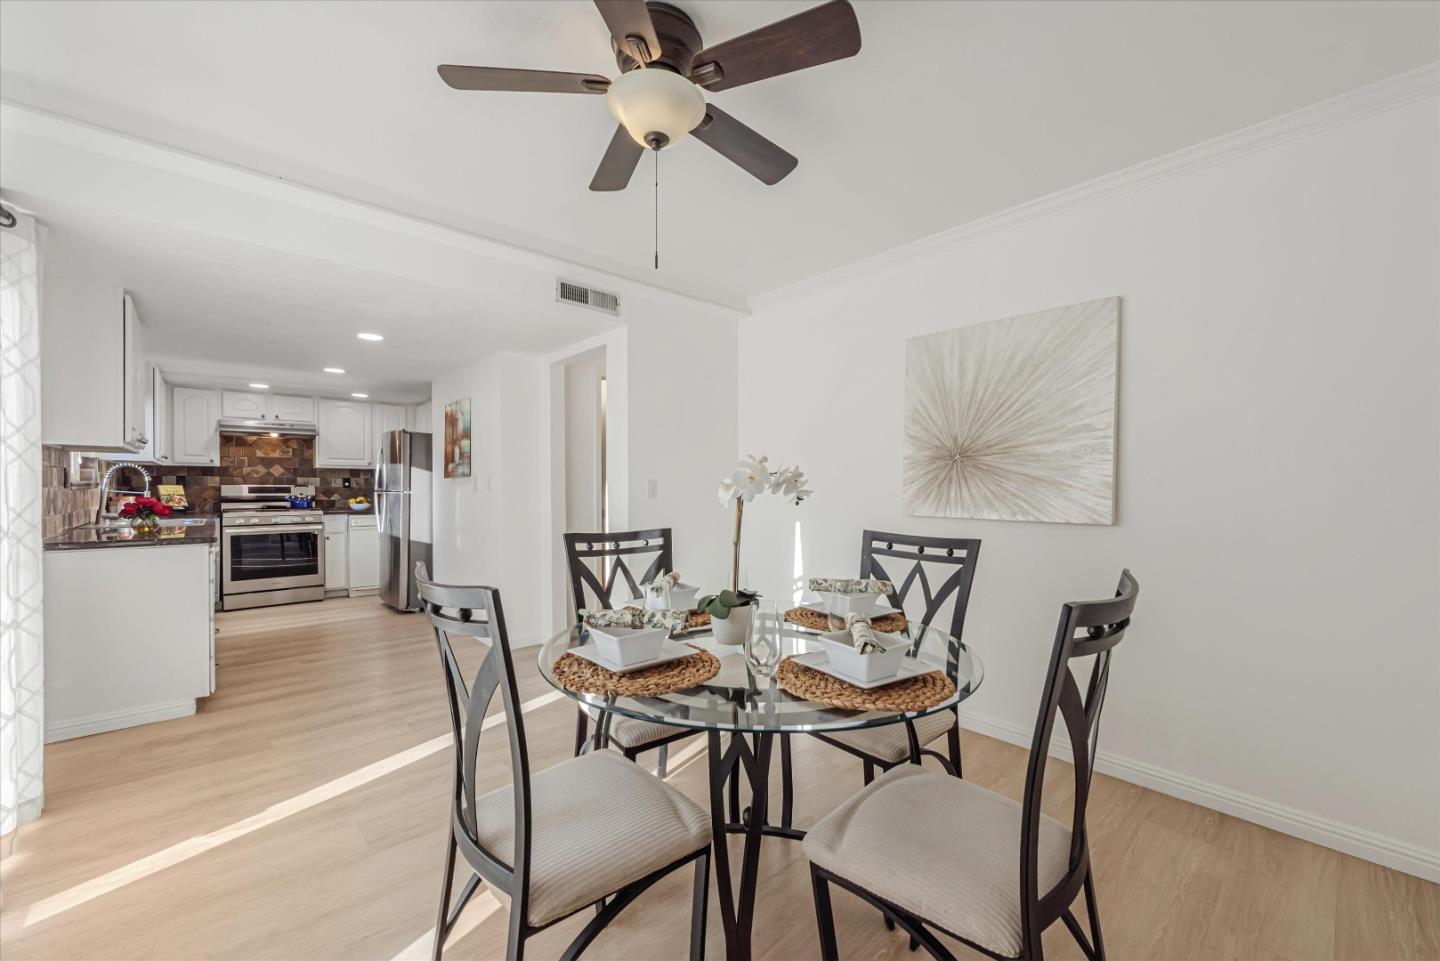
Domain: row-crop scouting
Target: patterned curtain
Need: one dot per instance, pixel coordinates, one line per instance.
(22, 665)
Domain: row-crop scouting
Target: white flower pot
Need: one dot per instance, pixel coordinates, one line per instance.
(732, 630)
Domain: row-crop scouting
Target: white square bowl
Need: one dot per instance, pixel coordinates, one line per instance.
(623, 646)
(680, 597)
(842, 604)
(878, 665)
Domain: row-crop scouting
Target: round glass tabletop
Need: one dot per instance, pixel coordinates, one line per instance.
(737, 699)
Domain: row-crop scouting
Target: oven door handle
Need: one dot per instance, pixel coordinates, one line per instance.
(272, 528)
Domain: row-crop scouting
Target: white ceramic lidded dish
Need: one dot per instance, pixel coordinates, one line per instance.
(623, 646)
(842, 604)
(877, 665)
(680, 597)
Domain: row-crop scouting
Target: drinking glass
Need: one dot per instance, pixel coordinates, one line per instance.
(763, 642)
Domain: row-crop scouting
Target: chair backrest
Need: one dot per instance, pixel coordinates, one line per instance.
(619, 554)
(475, 613)
(880, 552)
(1087, 629)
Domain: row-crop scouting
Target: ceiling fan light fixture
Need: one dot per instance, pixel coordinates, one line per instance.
(656, 106)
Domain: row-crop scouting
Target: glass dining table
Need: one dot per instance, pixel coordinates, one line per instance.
(741, 713)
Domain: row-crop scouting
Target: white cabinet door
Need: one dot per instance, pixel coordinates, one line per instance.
(161, 425)
(337, 558)
(137, 378)
(281, 407)
(388, 417)
(195, 439)
(87, 396)
(239, 403)
(364, 556)
(344, 438)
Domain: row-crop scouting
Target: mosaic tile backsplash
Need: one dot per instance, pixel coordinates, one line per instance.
(243, 460)
(266, 460)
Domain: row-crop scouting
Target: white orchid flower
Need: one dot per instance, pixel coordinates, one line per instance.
(727, 492)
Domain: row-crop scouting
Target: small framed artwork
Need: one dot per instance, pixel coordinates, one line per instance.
(457, 438)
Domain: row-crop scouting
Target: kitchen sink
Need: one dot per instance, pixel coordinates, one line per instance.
(119, 523)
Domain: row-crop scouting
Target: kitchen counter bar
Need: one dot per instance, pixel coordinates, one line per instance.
(91, 538)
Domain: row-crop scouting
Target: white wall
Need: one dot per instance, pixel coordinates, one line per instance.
(487, 526)
(1278, 470)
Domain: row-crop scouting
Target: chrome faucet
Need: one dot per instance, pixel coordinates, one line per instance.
(105, 491)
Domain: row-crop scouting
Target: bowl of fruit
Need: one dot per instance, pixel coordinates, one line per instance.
(361, 503)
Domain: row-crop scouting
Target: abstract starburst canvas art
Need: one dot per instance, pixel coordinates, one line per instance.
(1015, 419)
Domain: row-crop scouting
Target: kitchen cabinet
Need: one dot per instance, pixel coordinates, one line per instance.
(344, 435)
(260, 406)
(337, 553)
(298, 409)
(111, 660)
(162, 427)
(238, 403)
(388, 417)
(94, 382)
(363, 555)
(194, 438)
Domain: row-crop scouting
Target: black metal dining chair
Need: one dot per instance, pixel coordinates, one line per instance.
(955, 558)
(600, 566)
(589, 829)
(979, 867)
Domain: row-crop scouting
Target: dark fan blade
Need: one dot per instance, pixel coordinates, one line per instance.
(819, 35)
(736, 142)
(618, 163)
(505, 78)
(630, 24)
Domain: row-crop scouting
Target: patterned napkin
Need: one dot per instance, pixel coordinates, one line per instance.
(850, 585)
(660, 586)
(862, 635)
(670, 621)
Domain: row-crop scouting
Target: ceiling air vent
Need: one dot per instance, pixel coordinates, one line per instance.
(568, 293)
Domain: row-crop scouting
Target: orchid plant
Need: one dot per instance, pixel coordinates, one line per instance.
(752, 478)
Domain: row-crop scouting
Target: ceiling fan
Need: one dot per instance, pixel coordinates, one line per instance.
(657, 98)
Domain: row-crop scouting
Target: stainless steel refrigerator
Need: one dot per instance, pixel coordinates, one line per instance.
(402, 513)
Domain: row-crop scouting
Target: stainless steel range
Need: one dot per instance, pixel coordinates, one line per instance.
(271, 553)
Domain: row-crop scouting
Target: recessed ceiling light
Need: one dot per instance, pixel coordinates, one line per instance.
(334, 370)
(360, 396)
(371, 336)
(261, 386)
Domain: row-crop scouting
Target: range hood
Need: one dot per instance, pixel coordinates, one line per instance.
(259, 426)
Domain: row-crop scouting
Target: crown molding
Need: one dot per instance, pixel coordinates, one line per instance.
(1397, 91)
(105, 142)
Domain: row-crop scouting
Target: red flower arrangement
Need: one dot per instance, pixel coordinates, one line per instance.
(145, 507)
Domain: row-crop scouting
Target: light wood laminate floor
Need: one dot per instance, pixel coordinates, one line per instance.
(301, 814)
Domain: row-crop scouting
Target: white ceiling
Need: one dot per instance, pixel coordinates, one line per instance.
(951, 111)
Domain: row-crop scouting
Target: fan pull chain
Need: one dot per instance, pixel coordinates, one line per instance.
(657, 208)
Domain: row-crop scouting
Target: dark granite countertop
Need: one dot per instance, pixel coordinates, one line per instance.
(90, 538)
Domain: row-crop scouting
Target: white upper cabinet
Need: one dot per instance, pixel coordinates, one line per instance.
(162, 426)
(248, 405)
(239, 403)
(388, 417)
(300, 409)
(195, 439)
(345, 437)
(94, 382)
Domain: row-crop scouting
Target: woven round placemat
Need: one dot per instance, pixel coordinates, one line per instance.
(587, 677)
(892, 623)
(698, 620)
(911, 694)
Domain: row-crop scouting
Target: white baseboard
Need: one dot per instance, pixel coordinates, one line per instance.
(1358, 842)
(100, 723)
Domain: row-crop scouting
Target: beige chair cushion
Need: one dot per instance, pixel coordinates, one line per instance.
(889, 742)
(598, 822)
(627, 732)
(943, 849)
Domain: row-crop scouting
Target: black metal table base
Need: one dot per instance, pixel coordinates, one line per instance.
(728, 762)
